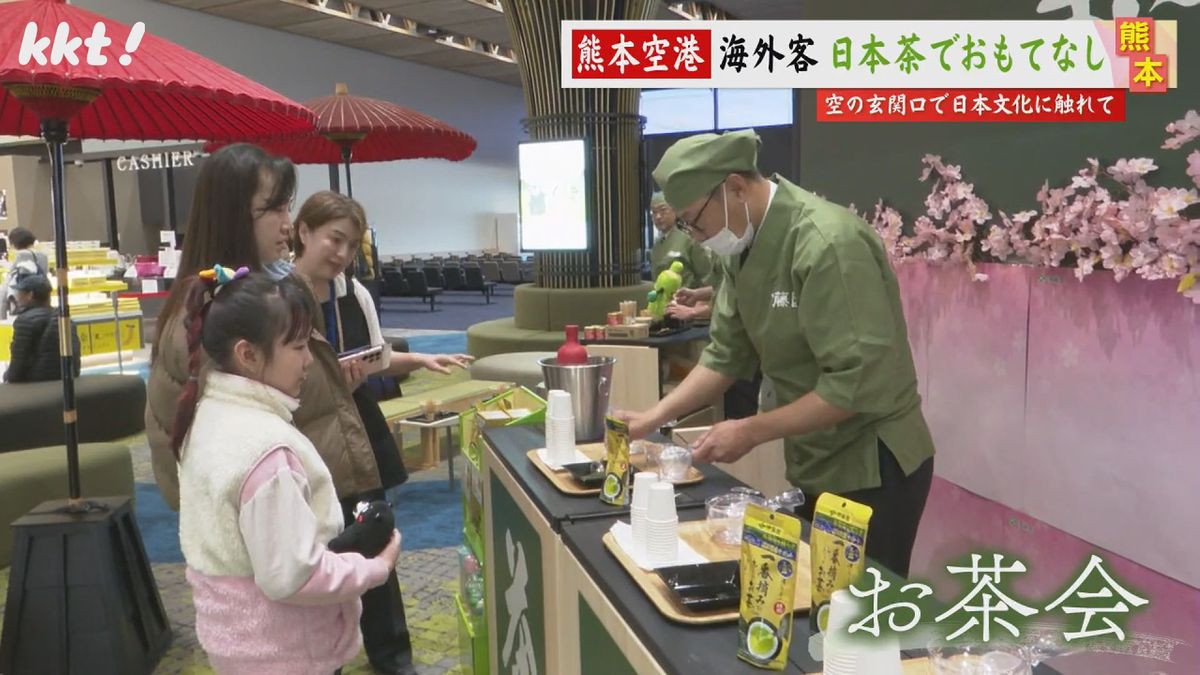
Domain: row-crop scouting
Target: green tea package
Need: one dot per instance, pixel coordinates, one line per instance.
(616, 466)
(837, 543)
(770, 542)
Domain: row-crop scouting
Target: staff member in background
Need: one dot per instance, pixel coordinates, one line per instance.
(808, 292)
(671, 244)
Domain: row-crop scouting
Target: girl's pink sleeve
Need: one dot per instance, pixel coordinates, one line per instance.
(280, 531)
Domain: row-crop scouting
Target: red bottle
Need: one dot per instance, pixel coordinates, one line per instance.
(572, 353)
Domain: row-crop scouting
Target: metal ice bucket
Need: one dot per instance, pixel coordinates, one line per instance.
(589, 387)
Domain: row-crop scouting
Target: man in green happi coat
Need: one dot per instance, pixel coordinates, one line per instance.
(808, 294)
(671, 244)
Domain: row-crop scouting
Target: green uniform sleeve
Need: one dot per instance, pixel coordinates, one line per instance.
(729, 350)
(849, 323)
(703, 267)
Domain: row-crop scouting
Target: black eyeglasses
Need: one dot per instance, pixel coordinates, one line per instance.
(689, 228)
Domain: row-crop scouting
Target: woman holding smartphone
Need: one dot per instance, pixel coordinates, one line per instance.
(329, 229)
(241, 217)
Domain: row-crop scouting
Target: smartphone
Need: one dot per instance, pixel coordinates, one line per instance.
(373, 359)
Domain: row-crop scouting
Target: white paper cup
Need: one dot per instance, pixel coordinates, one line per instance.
(560, 439)
(662, 537)
(642, 481)
(842, 607)
(661, 503)
(662, 542)
(664, 527)
(840, 664)
(558, 403)
(637, 522)
(662, 557)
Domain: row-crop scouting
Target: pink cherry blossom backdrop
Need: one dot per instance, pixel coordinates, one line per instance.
(1067, 421)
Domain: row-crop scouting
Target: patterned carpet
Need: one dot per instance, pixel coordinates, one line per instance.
(428, 579)
(428, 598)
(428, 576)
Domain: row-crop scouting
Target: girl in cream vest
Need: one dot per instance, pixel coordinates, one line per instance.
(257, 505)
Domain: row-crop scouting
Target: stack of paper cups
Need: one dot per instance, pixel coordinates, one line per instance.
(642, 482)
(560, 427)
(861, 653)
(662, 524)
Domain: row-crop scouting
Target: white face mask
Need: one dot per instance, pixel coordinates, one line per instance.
(726, 242)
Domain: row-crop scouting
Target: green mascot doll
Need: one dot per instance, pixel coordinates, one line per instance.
(669, 281)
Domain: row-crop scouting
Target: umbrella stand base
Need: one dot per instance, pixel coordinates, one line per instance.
(81, 506)
(82, 597)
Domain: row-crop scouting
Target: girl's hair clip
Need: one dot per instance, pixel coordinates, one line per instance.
(218, 276)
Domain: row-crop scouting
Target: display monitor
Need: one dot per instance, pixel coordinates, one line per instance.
(553, 214)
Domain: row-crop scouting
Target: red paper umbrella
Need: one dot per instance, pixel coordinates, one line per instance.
(145, 88)
(165, 92)
(360, 129)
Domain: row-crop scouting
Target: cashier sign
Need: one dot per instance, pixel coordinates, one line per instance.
(899, 71)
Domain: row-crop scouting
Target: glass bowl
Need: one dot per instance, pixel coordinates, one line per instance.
(787, 501)
(725, 516)
(972, 658)
(650, 449)
(673, 463)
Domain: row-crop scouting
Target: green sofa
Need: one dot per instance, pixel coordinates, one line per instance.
(30, 477)
(518, 367)
(539, 315)
(111, 407)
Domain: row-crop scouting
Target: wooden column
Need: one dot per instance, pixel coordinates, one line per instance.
(607, 118)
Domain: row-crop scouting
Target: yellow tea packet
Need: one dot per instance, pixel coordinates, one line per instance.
(770, 541)
(616, 470)
(837, 542)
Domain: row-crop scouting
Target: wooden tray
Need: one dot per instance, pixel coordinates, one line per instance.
(695, 533)
(562, 480)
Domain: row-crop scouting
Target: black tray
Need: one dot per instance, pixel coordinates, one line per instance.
(587, 474)
(421, 419)
(706, 586)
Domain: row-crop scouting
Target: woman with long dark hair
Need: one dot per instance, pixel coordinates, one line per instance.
(241, 217)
